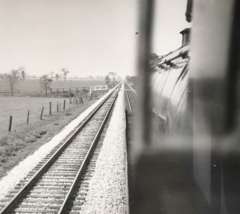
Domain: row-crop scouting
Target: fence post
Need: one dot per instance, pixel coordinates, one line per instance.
(60, 106)
(64, 104)
(57, 90)
(28, 117)
(57, 106)
(10, 123)
(50, 108)
(82, 100)
(41, 113)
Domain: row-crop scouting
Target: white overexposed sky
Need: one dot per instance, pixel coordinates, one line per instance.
(169, 21)
(89, 37)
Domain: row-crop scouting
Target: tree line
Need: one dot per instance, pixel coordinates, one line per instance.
(111, 79)
(20, 74)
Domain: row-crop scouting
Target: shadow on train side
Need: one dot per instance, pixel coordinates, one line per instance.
(190, 173)
(192, 162)
(169, 184)
(170, 93)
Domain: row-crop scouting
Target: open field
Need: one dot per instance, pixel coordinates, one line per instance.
(25, 139)
(19, 106)
(32, 86)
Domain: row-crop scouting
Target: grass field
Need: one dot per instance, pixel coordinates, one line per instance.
(25, 139)
(32, 86)
(19, 106)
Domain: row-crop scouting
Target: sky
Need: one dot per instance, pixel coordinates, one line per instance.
(89, 37)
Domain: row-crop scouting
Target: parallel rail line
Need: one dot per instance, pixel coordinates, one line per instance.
(50, 187)
(131, 97)
(130, 103)
(131, 90)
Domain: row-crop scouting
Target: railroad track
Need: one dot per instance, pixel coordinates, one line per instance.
(59, 183)
(130, 102)
(130, 97)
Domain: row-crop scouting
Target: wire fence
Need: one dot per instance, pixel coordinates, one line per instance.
(52, 108)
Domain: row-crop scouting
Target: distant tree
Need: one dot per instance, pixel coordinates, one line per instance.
(23, 73)
(132, 80)
(65, 72)
(45, 83)
(114, 77)
(57, 76)
(110, 79)
(5, 76)
(107, 80)
(12, 78)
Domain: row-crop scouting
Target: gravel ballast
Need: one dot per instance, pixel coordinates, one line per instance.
(13, 177)
(107, 188)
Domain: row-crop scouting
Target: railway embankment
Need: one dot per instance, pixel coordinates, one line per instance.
(24, 139)
(20, 171)
(107, 188)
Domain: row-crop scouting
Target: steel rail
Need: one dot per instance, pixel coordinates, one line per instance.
(129, 104)
(40, 172)
(90, 151)
(132, 90)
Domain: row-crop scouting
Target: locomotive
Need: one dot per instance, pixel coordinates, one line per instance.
(169, 87)
(193, 162)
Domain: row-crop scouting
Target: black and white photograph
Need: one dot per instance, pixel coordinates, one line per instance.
(119, 107)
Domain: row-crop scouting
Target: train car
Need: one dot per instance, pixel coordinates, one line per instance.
(169, 83)
(194, 165)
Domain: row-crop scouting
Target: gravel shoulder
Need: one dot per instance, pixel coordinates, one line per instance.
(108, 188)
(24, 167)
(15, 146)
